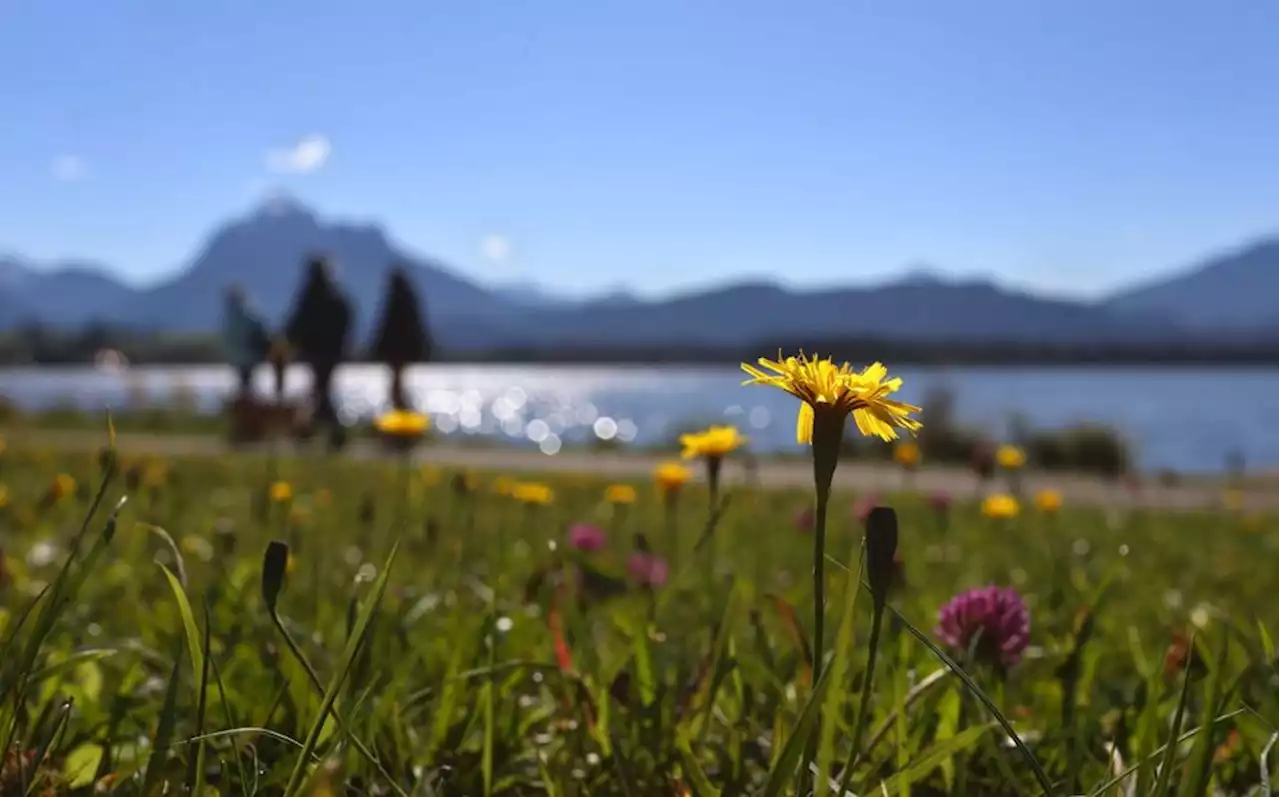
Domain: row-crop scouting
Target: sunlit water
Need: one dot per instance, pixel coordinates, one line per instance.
(1185, 419)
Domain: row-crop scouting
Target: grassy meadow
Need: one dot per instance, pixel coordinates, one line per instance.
(429, 632)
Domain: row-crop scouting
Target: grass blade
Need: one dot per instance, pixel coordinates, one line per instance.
(1171, 748)
(163, 738)
(933, 758)
(352, 649)
(785, 767)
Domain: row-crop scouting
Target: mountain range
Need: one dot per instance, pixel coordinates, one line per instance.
(1222, 297)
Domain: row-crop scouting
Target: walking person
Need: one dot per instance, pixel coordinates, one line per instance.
(317, 330)
(402, 338)
(244, 337)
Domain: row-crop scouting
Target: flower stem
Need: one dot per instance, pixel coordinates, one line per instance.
(819, 580)
(828, 431)
(859, 725)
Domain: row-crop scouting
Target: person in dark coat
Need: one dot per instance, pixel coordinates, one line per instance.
(317, 330)
(402, 338)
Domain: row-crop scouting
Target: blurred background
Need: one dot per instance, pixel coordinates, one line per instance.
(1057, 221)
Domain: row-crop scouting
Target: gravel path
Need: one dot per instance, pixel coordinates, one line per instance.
(1261, 493)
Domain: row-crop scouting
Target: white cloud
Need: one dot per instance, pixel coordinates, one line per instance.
(496, 248)
(307, 155)
(68, 168)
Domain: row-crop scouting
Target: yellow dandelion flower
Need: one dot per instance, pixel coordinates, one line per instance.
(714, 442)
(1000, 506)
(671, 476)
(1049, 501)
(64, 484)
(403, 423)
(620, 494)
(532, 493)
(907, 454)
(281, 491)
(836, 392)
(1010, 457)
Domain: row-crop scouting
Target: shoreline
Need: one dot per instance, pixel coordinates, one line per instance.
(1257, 491)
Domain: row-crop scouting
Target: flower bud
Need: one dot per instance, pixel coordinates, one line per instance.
(882, 543)
(274, 564)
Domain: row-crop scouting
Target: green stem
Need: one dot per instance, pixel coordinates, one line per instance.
(864, 701)
(819, 580)
(828, 431)
(314, 678)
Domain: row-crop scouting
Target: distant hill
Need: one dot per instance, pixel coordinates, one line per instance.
(913, 310)
(64, 294)
(1234, 291)
(265, 249)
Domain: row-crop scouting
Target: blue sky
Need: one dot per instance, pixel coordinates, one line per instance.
(1065, 146)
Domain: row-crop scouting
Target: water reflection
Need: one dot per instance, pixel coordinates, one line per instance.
(1172, 416)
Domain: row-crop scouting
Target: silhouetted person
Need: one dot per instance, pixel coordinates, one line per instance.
(401, 338)
(317, 330)
(244, 335)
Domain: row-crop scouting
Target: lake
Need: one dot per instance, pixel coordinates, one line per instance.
(1186, 419)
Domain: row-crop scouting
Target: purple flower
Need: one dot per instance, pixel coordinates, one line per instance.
(647, 570)
(804, 519)
(995, 616)
(586, 537)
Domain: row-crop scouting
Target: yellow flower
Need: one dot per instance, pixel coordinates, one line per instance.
(503, 485)
(1049, 501)
(281, 492)
(63, 485)
(620, 494)
(907, 454)
(532, 493)
(403, 423)
(671, 476)
(1000, 506)
(714, 442)
(837, 391)
(1010, 457)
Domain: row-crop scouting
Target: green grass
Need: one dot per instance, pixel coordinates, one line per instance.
(413, 651)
